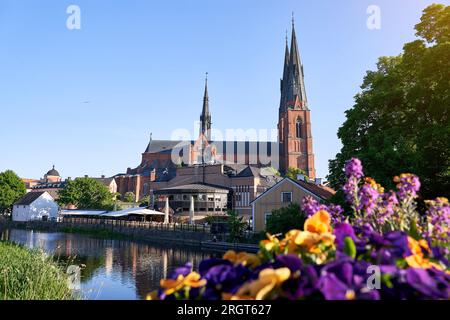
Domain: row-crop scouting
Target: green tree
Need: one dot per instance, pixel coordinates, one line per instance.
(236, 225)
(400, 120)
(86, 193)
(12, 189)
(284, 219)
(145, 201)
(293, 172)
(129, 197)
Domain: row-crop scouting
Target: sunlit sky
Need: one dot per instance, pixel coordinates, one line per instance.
(86, 100)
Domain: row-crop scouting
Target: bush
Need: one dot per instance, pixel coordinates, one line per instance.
(129, 197)
(285, 219)
(29, 275)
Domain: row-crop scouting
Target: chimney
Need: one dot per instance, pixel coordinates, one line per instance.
(318, 181)
(301, 177)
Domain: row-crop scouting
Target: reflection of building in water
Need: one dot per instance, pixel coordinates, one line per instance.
(109, 258)
(111, 265)
(165, 259)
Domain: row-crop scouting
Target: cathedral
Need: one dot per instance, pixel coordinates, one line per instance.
(246, 168)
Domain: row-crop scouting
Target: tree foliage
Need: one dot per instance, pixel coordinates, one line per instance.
(292, 172)
(86, 193)
(129, 197)
(400, 120)
(12, 189)
(284, 219)
(236, 226)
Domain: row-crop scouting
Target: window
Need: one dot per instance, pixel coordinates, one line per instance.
(286, 197)
(266, 217)
(298, 128)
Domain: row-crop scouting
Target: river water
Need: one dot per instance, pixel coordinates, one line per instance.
(111, 269)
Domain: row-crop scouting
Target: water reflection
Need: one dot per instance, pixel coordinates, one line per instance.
(115, 269)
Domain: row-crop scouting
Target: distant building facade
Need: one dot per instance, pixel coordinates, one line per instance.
(281, 195)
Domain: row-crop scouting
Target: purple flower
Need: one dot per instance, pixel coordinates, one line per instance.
(290, 261)
(225, 278)
(429, 283)
(304, 279)
(353, 168)
(368, 198)
(184, 271)
(407, 185)
(350, 189)
(207, 264)
(387, 206)
(310, 206)
(438, 216)
(342, 231)
(346, 280)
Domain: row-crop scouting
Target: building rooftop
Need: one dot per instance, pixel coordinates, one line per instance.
(29, 198)
(53, 172)
(193, 188)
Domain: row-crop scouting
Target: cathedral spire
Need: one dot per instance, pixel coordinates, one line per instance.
(205, 117)
(294, 84)
(286, 58)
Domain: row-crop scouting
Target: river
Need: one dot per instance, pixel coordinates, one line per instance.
(111, 269)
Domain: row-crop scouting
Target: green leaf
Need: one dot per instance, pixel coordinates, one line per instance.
(413, 230)
(349, 247)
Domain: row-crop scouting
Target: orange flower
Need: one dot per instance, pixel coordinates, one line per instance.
(192, 280)
(267, 281)
(374, 184)
(320, 222)
(152, 295)
(417, 259)
(244, 258)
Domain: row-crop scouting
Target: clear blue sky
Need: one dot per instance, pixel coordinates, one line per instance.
(141, 66)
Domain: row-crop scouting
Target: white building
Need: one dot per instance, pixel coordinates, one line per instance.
(35, 206)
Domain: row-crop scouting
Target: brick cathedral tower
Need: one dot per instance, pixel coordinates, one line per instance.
(294, 124)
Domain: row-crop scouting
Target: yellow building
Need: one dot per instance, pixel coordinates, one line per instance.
(282, 194)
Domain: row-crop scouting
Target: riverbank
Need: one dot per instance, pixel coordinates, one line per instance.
(163, 236)
(29, 275)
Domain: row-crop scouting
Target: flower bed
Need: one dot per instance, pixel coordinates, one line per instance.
(383, 249)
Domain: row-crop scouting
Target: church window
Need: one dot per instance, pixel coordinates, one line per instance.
(298, 128)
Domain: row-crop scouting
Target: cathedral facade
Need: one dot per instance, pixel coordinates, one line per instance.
(245, 167)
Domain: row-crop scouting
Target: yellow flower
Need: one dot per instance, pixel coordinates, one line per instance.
(374, 184)
(270, 243)
(152, 295)
(417, 259)
(320, 222)
(268, 280)
(244, 258)
(172, 285)
(308, 240)
(192, 280)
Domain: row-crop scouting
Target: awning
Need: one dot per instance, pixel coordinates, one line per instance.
(82, 212)
(132, 211)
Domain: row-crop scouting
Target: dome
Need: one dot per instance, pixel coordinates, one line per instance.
(53, 172)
